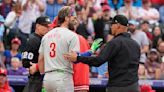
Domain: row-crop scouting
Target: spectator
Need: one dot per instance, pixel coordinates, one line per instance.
(137, 3)
(161, 12)
(53, 7)
(129, 10)
(71, 2)
(90, 40)
(32, 9)
(11, 22)
(90, 26)
(142, 72)
(115, 4)
(162, 68)
(161, 48)
(157, 33)
(97, 3)
(81, 15)
(4, 85)
(13, 52)
(153, 64)
(5, 7)
(16, 68)
(2, 28)
(148, 13)
(1, 39)
(103, 24)
(141, 38)
(91, 11)
(145, 27)
(161, 38)
(13, 15)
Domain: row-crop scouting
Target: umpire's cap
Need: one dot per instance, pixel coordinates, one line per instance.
(43, 20)
(121, 19)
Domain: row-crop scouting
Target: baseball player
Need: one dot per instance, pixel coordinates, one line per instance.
(30, 54)
(58, 72)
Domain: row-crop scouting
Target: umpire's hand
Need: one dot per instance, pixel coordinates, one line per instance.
(32, 68)
(71, 56)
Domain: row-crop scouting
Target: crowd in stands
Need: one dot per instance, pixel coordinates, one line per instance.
(146, 26)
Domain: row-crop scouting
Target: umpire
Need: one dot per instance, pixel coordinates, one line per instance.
(30, 54)
(122, 54)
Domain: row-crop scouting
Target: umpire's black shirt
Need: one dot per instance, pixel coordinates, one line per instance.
(122, 54)
(30, 52)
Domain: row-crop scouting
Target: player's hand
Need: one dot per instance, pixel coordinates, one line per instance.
(71, 56)
(32, 68)
(96, 44)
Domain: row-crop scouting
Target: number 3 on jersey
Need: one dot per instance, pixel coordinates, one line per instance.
(52, 52)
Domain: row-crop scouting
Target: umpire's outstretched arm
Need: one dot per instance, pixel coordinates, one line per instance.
(109, 50)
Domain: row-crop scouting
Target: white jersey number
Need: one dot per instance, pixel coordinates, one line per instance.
(27, 55)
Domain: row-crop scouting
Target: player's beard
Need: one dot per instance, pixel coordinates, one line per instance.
(71, 26)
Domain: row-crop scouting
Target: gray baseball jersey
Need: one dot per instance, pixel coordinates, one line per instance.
(56, 43)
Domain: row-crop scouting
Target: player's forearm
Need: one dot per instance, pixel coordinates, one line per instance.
(41, 64)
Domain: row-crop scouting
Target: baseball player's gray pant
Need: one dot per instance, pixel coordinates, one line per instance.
(58, 82)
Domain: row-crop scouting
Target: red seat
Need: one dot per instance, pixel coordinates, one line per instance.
(146, 88)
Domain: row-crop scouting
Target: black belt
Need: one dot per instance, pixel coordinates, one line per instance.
(56, 70)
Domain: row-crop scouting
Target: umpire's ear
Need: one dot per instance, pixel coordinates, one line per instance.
(36, 25)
